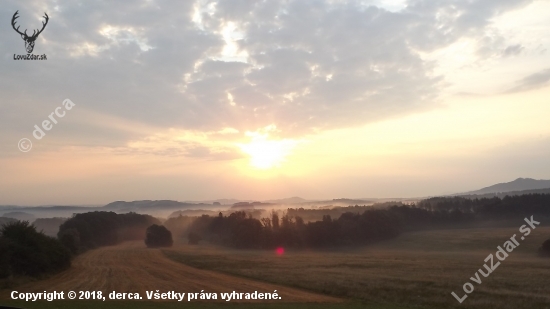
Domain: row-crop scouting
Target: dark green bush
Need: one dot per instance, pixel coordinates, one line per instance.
(28, 252)
(70, 238)
(158, 236)
(544, 250)
(5, 268)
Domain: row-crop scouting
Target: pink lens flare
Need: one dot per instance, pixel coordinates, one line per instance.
(280, 251)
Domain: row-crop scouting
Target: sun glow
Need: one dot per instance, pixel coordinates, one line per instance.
(265, 153)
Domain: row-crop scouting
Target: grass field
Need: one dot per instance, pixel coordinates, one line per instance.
(415, 270)
(131, 267)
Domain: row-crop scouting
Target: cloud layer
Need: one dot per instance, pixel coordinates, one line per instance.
(304, 66)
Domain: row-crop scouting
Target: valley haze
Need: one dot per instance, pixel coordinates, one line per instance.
(164, 208)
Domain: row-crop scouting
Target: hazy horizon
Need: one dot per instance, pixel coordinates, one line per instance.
(231, 200)
(204, 100)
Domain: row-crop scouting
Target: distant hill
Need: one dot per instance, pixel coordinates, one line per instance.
(122, 206)
(5, 220)
(248, 206)
(49, 226)
(348, 201)
(136, 205)
(227, 201)
(503, 194)
(46, 211)
(19, 215)
(290, 200)
(520, 184)
(223, 201)
(160, 208)
(193, 213)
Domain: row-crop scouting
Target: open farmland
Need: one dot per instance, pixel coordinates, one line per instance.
(415, 270)
(131, 267)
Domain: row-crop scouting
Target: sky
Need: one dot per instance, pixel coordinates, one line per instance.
(202, 100)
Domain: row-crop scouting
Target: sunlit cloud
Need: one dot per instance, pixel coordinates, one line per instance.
(125, 35)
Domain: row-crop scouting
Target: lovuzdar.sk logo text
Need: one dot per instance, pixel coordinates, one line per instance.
(29, 39)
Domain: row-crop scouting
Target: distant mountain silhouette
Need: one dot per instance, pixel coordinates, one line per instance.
(508, 193)
(122, 206)
(290, 200)
(5, 220)
(520, 184)
(19, 215)
(222, 201)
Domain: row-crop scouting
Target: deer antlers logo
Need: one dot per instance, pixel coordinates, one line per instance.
(29, 40)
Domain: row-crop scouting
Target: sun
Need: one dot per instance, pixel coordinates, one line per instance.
(266, 154)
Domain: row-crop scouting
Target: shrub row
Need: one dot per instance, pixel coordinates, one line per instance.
(26, 252)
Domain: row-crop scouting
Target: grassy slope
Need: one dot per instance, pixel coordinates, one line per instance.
(416, 270)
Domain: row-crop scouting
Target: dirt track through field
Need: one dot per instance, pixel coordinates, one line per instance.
(130, 267)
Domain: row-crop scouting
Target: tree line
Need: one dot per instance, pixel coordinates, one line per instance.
(491, 208)
(355, 224)
(103, 228)
(24, 251)
(239, 230)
